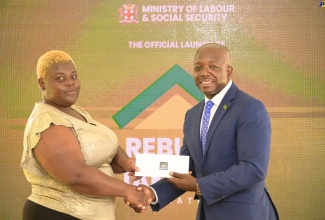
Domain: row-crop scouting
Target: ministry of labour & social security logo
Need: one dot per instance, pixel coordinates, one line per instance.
(128, 14)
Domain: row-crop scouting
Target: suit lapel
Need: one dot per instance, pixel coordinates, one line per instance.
(197, 123)
(222, 109)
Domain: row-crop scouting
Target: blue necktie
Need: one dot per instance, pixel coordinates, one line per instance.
(205, 123)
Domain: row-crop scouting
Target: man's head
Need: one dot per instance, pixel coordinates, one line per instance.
(212, 68)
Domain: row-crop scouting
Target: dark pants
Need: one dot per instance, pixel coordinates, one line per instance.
(34, 211)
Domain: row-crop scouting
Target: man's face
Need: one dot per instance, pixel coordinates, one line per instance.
(61, 85)
(212, 70)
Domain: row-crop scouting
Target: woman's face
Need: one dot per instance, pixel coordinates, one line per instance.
(61, 84)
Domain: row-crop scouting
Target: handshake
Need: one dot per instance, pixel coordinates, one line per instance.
(139, 198)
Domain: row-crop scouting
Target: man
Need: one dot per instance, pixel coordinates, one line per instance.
(228, 145)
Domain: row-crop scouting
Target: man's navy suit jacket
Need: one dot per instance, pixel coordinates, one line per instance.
(231, 172)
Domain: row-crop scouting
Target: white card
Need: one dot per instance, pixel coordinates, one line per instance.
(159, 165)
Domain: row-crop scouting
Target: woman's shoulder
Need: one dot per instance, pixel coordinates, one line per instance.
(43, 115)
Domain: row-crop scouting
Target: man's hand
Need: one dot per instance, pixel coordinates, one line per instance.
(149, 194)
(183, 181)
(137, 199)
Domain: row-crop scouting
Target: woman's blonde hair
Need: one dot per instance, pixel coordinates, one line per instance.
(48, 59)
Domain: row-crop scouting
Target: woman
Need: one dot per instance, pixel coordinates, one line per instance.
(69, 158)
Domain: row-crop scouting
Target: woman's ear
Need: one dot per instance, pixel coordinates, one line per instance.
(41, 83)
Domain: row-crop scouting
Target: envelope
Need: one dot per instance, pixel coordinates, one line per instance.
(159, 165)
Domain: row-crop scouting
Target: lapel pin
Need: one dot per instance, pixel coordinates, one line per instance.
(225, 107)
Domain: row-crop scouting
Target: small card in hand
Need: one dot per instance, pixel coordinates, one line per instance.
(159, 165)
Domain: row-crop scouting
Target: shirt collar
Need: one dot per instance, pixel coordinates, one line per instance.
(218, 98)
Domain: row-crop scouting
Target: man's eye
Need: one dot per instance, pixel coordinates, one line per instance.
(213, 67)
(197, 68)
(74, 77)
(59, 78)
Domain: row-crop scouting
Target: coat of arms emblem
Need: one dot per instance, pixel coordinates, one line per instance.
(128, 14)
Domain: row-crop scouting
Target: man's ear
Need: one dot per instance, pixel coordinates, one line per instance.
(229, 71)
(41, 83)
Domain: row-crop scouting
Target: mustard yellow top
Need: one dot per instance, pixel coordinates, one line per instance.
(98, 144)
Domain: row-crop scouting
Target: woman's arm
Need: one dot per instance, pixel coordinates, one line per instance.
(59, 153)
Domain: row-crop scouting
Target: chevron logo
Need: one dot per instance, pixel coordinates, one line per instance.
(174, 76)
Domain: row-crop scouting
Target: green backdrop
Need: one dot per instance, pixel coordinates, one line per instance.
(125, 52)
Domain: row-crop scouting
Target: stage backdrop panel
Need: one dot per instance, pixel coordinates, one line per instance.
(134, 59)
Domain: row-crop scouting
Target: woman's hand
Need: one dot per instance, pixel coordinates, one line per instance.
(130, 167)
(137, 199)
(123, 163)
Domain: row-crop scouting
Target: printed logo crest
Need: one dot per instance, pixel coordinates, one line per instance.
(163, 166)
(128, 14)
